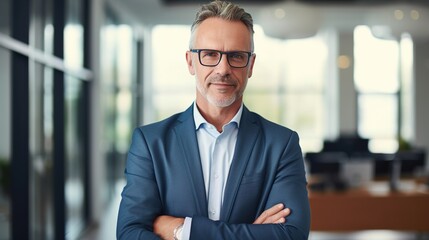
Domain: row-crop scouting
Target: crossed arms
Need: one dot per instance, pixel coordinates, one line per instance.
(165, 225)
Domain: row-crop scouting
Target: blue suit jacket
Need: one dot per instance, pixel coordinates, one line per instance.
(164, 176)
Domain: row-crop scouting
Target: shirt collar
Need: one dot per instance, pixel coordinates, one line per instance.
(199, 119)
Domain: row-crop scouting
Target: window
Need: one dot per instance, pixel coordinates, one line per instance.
(378, 85)
(118, 95)
(46, 149)
(288, 85)
(173, 86)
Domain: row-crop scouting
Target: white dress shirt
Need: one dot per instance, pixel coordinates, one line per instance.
(216, 153)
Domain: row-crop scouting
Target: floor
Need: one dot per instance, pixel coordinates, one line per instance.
(107, 230)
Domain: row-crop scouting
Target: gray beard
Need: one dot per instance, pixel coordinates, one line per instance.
(217, 102)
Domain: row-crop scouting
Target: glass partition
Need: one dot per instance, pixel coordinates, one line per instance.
(119, 96)
(41, 151)
(74, 157)
(41, 140)
(5, 145)
(74, 122)
(4, 17)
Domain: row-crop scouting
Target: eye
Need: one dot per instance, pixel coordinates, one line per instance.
(209, 54)
(237, 56)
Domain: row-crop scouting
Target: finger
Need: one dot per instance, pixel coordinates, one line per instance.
(269, 212)
(281, 220)
(279, 216)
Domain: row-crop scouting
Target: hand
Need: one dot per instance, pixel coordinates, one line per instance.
(275, 214)
(164, 226)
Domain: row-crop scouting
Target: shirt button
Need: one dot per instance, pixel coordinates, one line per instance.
(216, 176)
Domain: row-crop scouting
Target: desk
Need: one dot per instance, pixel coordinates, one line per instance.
(365, 209)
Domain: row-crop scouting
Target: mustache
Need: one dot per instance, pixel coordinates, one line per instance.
(222, 79)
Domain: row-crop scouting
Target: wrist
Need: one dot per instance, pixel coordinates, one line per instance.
(177, 232)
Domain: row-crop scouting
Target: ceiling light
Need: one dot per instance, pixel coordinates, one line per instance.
(343, 62)
(279, 13)
(399, 14)
(415, 15)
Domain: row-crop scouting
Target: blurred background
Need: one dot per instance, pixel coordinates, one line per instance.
(77, 76)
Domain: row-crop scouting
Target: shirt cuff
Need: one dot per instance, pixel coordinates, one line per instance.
(186, 232)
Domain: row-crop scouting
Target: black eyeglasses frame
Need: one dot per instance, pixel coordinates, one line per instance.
(228, 53)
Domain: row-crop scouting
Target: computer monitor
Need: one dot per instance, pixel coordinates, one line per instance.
(410, 161)
(328, 163)
(349, 144)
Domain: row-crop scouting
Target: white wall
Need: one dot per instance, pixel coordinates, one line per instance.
(347, 94)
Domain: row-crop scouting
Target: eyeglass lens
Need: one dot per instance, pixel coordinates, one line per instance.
(213, 57)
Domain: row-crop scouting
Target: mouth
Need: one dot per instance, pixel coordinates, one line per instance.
(222, 84)
(222, 87)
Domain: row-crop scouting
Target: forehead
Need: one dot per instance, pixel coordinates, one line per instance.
(220, 34)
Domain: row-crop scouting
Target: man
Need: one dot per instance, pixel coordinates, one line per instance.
(217, 170)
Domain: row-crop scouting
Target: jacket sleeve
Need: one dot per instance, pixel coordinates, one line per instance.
(289, 187)
(140, 203)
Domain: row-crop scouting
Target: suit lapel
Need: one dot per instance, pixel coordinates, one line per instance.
(247, 135)
(185, 132)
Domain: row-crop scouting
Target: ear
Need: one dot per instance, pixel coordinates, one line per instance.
(251, 64)
(189, 63)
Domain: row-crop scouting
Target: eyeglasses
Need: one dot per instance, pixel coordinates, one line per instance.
(211, 58)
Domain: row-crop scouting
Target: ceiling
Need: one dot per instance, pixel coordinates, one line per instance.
(178, 2)
(293, 18)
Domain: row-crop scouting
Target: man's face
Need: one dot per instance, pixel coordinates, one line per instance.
(221, 85)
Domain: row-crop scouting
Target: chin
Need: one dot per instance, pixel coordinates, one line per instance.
(222, 102)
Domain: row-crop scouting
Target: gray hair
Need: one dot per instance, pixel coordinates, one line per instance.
(224, 10)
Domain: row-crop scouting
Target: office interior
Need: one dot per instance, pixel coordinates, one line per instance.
(77, 76)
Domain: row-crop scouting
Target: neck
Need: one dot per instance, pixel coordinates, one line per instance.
(218, 116)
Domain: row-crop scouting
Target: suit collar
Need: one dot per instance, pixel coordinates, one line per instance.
(199, 119)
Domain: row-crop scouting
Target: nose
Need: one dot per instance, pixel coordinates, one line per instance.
(223, 68)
